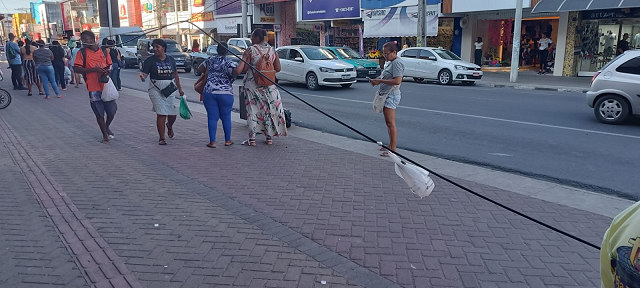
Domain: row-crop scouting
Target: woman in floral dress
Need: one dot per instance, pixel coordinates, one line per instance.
(264, 106)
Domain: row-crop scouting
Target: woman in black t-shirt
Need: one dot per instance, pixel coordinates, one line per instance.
(162, 71)
(58, 63)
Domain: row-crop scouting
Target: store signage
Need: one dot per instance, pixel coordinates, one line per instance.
(228, 25)
(202, 17)
(378, 4)
(198, 3)
(340, 23)
(611, 14)
(122, 9)
(330, 9)
(267, 13)
(277, 28)
(399, 21)
(224, 7)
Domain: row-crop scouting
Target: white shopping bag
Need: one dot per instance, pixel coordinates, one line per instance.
(110, 92)
(417, 178)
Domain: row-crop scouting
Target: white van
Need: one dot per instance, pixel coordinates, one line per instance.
(127, 40)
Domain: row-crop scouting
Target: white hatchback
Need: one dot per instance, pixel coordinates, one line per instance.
(314, 66)
(438, 64)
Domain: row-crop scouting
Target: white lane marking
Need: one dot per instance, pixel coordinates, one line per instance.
(500, 154)
(486, 118)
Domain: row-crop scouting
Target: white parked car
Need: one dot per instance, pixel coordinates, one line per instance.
(438, 64)
(614, 94)
(243, 43)
(314, 66)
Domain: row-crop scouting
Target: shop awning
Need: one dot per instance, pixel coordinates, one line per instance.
(582, 5)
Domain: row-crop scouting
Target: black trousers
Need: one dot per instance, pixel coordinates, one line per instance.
(58, 68)
(478, 57)
(544, 54)
(16, 75)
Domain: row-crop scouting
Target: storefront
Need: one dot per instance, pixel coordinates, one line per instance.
(598, 35)
(400, 24)
(497, 35)
(267, 16)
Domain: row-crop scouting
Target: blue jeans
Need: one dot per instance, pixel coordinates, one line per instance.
(218, 107)
(47, 75)
(115, 75)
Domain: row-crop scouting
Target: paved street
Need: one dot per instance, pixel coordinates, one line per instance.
(297, 214)
(548, 135)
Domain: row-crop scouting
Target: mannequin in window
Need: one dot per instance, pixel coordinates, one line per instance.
(636, 40)
(607, 41)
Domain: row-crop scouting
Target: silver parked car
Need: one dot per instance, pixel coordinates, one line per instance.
(615, 89)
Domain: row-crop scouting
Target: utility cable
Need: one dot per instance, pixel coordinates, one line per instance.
(530, 218)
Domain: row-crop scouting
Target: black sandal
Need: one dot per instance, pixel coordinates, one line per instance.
(211, 146)
(170, 132)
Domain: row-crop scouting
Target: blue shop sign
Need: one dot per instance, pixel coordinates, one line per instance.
(330, 9)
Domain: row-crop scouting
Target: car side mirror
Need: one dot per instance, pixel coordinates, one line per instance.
(298, 59)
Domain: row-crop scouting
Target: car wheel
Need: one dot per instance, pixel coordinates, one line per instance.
(611, 109)
(312, 81)
(445, 77)
(346, 85)
(418, 79)
(187, 70)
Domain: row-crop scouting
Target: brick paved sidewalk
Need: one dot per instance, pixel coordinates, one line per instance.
(290, 215)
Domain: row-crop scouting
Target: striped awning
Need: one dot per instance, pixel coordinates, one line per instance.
(582, 5)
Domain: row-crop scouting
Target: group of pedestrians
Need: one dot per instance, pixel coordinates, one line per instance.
(265, 111)
(32, 62)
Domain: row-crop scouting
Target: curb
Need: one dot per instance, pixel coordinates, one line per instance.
(528, 87)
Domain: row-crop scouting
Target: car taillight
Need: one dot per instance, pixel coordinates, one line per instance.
(594, 77)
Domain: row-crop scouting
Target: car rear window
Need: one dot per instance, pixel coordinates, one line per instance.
(630, 67)
(611, 62)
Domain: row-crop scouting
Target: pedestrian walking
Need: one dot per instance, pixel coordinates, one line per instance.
(93, 64)
(218, 92)
(58, 63)
(163, 84)
(195, 47)
(77, 77)
(545, 43)
(12, 51)
(265, 112)
(29, 66)
(115, 67)
(389, 82)
(44, 66)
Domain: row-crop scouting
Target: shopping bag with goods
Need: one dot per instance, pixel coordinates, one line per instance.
(185, 113)
(417, 178)
(110, 92)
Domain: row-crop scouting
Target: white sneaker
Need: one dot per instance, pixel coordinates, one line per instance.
(111, 137)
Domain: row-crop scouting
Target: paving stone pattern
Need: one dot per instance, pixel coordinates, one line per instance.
(350, 204)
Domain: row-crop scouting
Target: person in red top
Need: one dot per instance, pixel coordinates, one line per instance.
(96, 65)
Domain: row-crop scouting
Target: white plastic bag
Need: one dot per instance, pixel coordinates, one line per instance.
(67, 73)
(417, 178)
(109, 92)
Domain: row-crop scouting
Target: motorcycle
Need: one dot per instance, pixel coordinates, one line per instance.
(5, 96)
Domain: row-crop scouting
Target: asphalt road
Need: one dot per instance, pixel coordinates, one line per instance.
(547, 135)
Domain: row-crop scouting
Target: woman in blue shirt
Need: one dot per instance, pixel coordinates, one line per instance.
(218, 92)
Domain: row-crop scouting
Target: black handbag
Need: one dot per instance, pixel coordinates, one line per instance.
(104, 78)
(167, 91)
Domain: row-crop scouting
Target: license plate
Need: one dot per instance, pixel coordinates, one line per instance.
(372, 72)
(346, 77)
(476, 74)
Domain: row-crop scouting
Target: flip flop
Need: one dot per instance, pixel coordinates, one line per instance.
(384, 154)
(162, 142)
(211, 146)
(225, 144)
(250, 142)
(170, 132)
